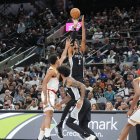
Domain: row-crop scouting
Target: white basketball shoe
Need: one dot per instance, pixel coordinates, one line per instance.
(91, 137)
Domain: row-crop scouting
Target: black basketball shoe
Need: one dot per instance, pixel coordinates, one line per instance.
(47, 138)
(59, 131)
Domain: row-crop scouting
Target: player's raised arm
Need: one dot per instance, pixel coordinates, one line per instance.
(83, 42)
(64, 54)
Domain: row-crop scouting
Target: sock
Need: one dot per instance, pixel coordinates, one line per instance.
(47, 132)
(41, 135)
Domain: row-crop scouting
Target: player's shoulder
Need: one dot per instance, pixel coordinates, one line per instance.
(51, 71)
(70, 80)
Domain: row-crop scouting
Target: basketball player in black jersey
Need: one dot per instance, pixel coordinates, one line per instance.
(75, 55)
(76, 60)
(82, 107)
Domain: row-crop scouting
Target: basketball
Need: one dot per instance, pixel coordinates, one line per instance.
(75, 13)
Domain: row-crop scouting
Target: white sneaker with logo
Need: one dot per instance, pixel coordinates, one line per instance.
(91, 137)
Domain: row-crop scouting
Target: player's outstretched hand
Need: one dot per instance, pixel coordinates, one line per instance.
(58, 106)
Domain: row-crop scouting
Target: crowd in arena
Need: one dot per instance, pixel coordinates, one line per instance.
(27, 28)
(113, 52)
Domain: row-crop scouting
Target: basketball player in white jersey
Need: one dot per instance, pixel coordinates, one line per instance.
(134, 116)
(49, 88)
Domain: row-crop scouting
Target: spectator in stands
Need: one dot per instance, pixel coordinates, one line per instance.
(18, 79)
(98, 34)
(20, 95)
(111, 57)
(32, 92)
(91, 78)
(32, 72)
(40, 106)
(130, 78)
(21, 28)
(38, 92)
(99, 93)
(17, 106)
(109, 94)
(109, 106)
(33, 105)
(28, 99)
(34, 81)
(99, 57)
(52, 50)
(97, 44)
(95, 73)
(6, 106)
(123, 106)
(94, 107)
(103, 75)
(12, 88)
(5, 87)
(123, 91)
(10, 103)
(133, 57)
(87, 84)
(119, 100)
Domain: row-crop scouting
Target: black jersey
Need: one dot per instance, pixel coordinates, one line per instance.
(77, 65)
(73, 93)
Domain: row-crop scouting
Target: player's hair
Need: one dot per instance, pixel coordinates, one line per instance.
(53, 58)
(64, 70)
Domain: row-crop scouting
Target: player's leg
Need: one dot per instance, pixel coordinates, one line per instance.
(45, 129)
(84, 126)
(125, 131)
(48, 120)
(70, 123)
(85, 118)
(132, 121)
(138, 131)
(66, 111)
(64, 114)
(42, 130)
(49, 109)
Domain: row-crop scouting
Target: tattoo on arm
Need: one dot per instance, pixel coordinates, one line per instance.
(80, 86)
(76, 84)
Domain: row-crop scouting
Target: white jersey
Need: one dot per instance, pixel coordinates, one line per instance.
(52, 87)
(135, 118)
(53, 82)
